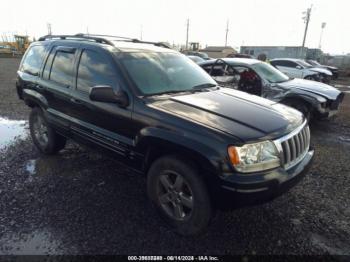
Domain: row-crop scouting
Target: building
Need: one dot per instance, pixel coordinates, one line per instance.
(314, 54)
(218, 51)
(275, 51)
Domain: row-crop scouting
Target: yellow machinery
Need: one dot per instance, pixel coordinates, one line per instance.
(16, 47)
(21, 43)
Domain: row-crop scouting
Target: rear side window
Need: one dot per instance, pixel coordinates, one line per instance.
(62, 66)
(284, 63)
(33, 60)
(94, 70)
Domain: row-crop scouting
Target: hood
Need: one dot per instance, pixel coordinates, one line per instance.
(321, 70)
(247, 117)
(330, 67)
(318, 88)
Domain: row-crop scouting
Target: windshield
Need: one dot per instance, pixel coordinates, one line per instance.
(157, 73)
(304, 64)
(269, 73)
(203, 55)
(313, 62)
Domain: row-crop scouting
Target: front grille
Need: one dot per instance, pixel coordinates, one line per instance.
(294, 146)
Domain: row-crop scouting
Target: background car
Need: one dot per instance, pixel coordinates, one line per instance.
(312, 98)
(196, 59)
(333, 69)
(298, 68)
(196, 53)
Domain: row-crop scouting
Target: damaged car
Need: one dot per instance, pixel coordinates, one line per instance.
(298, 68)
(313, 99)
(333, 69)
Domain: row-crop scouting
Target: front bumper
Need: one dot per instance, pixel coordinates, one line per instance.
(243, 190)
(331, 109)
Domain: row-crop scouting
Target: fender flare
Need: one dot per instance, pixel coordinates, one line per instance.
(173, 142)
(33, 98)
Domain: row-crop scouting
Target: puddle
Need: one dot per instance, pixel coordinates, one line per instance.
(10, 130)
(344, 139)
(341, 86)
(30, 166)
(35, 243)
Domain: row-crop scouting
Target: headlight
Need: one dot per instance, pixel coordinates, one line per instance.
(254, 157)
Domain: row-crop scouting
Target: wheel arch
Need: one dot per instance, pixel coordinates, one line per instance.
(160, 142)
(33, 98)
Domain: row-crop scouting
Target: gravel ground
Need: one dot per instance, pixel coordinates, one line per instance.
(80, 202)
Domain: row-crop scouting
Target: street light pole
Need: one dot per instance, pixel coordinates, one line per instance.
(226, 33)
(49, 32)
(188, 25)
(323, 25)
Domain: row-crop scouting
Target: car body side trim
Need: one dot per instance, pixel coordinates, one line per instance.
(97, 132)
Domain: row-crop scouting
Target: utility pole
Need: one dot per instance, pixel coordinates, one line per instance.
(323, 25)
(306, 18)
(188, 26)
(49, 32)
(226, 32)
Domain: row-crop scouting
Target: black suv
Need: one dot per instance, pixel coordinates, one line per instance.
(202, 146)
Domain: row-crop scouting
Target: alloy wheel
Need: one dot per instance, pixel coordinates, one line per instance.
(175, 195)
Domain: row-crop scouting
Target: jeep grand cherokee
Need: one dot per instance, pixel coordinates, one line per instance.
(201, 146)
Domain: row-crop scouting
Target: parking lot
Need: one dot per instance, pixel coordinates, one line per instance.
(80, 202)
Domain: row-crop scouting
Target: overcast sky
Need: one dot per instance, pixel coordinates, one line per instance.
(251, 22)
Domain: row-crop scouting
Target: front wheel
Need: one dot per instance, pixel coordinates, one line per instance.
(180, 195)
(302, 107)
(311, 77)
(44, 137)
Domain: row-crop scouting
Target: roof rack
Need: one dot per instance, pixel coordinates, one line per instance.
(77, 36)
(101, 39)
(126, 39)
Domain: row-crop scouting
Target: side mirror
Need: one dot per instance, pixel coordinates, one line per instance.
(298, 67)
(108, 95)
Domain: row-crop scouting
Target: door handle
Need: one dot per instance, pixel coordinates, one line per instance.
(76, 101)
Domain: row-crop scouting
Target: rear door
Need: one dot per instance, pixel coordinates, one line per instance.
(29, 70)
(106, 124)
(57, 82)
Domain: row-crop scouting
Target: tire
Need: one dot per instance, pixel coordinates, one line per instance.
(179, 195)
(44, 137)
(302, 107)
(310, 77)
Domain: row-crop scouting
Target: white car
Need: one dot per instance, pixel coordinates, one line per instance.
(298, 68)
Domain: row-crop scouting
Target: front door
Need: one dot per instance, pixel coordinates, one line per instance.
(106, 124)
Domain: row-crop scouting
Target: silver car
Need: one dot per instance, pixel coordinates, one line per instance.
(298, 68)
(313, 99)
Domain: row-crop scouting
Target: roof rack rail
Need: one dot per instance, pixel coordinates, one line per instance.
(77, 36)
(101, 39)
(128, 39)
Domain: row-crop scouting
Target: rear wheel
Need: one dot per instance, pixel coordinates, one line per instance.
(44, 137)
(180, 195)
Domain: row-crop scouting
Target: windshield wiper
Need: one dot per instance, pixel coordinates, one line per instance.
(203, 87)
(167, 92)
